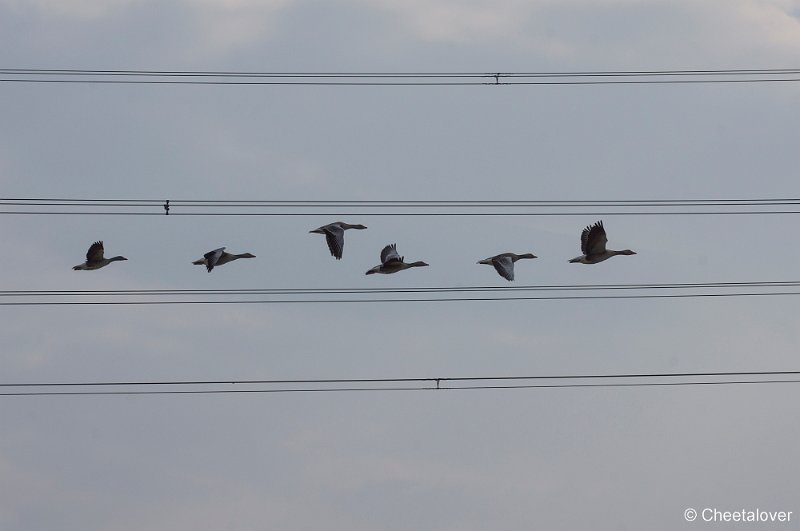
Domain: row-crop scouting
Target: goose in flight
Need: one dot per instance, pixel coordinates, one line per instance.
(504, 263)
(391, 262)
(95, 259)
(593, 245)
(334, 235)
(219, 257)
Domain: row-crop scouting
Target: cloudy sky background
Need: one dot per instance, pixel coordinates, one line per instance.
(458, 460)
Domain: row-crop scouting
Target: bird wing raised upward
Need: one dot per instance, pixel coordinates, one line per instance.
(95, 252)
(389, 254)
(212, 257)
(504, 265)
(334, 235)
(593, 239)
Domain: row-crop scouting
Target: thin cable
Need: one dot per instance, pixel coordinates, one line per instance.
(212, 73)
(409, 214)
(153, 77)
(384, 389)
(396, 83)
(406, 208)
(376, 300)
(606, 376)
(412, 202)
(378, 290)
(400, 204)
(241, 73)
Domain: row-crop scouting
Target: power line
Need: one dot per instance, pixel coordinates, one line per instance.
(414, 214)
(431, 380)
(186, 207)
(296, 202)
(241, 73)
(385, 389)
(152, 297)
(409, 204)
(611, 77)
(395, 83)
(393, 290)
(398, 300)
(394, 203)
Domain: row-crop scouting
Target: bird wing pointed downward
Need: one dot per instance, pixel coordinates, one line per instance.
(212, 257)
(334, 235)
(389, 254)
(593, 239)
(504, 265)
(95, 252)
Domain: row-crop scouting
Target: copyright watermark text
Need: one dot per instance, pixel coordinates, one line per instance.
(713, 514)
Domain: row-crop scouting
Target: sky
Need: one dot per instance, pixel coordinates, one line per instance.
(604, 458)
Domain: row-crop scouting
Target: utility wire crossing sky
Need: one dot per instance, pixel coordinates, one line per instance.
(188, 207)
(611, 77)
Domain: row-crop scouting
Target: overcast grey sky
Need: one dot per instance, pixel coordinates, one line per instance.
(605, 459)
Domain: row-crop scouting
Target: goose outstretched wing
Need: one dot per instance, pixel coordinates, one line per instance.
(389, 254)
(334, 235)
(95, 252)
(504, 265)
(593, 239)
(212, 257)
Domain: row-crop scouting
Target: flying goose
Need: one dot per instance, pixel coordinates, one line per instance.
(391, 262)
(334, 234)
(504, 263)
(593, 245)
(95, 260)
(219, 257)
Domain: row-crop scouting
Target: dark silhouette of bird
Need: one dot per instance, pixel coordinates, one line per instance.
(334, 235)
(593, 246)
(219, 257)
(391, 262)
(95, 258)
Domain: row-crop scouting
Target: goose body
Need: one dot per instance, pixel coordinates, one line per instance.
(334, 235)
(391, 262)
(219, 257)
(504, 263)
(95, 258)
(593, 246)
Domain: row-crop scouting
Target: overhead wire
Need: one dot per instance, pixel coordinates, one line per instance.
(199, 77)
(242, 73)
(399, 300)
(438, 387)
(293, 208)
(394, 203)
(143, 297)
(418, 289)
(385, 389)
(293, 202)
(428, 379)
